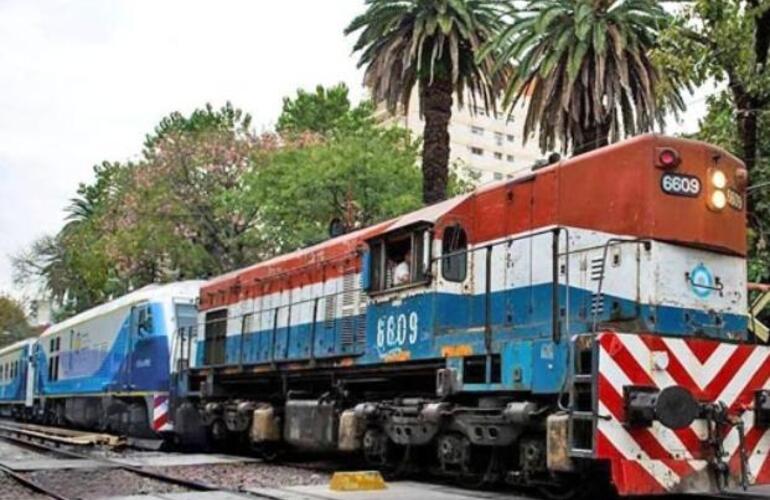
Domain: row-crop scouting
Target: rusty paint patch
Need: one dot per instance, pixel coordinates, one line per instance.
(456, 351)
(397, 357)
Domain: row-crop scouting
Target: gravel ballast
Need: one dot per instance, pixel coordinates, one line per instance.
(100, 483)
(246, 475)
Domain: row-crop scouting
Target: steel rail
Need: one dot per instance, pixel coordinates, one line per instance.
(31, 484)
(187, 483)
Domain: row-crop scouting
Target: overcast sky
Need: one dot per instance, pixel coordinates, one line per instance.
(83, 81)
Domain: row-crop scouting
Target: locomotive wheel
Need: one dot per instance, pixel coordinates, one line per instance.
(481, 469)
(393, 460)
(219, 434)
(468, 466)
(377, 448)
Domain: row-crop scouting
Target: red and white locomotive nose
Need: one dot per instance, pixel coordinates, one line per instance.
(682, 414)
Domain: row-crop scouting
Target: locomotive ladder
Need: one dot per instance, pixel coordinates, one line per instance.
(582, 397)
(583, 406)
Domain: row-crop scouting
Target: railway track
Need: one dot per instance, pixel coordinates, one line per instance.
(68, 445)
(36, 439)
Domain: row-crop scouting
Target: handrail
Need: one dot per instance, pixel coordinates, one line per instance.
(507, 241)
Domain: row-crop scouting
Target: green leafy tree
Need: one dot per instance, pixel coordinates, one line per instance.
(360, 178)
(208, 196)
(432, 45)
(720, 126)
(176, 213)
(72, 265)
(586, 68)
(180, 216)
(325, 111)
(728, 41)
(13, 321)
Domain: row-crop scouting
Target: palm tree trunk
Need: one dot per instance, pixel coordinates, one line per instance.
(436, 101)
(593, 138)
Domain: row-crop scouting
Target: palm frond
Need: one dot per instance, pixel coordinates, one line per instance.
(586, 68)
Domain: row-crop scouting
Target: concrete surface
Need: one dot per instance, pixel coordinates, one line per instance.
(51, 464)
(753, 492)
(397, 490)
(173, 459)
(10, 451)
(198, 495)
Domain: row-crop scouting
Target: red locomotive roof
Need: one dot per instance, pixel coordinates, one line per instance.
(327, 259)
(616, 189)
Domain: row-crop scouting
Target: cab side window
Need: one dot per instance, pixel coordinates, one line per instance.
(454, 248)
(399, 260)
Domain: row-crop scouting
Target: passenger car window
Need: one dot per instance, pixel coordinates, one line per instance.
(454, 245)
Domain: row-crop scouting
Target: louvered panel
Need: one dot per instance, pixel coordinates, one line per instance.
(330, 306)
(349, 306)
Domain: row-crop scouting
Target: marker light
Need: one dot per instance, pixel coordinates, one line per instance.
(718, 200)
(718, 179)
(667, 158)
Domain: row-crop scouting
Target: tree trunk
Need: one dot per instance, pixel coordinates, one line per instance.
(436, 101)
(746, 107)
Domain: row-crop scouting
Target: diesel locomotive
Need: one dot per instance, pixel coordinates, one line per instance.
(588, 316)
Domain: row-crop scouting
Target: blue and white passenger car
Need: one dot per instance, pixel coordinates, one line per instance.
(16, 378)
(111, 367)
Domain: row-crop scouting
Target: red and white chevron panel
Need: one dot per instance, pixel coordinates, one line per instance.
(160, 413)
(660, 460)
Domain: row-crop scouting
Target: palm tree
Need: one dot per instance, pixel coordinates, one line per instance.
(432, 43)
(586, 67)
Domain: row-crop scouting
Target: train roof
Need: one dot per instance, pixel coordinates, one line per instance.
(348, 241)
(17, 345)
(214, 292)
(180, 289)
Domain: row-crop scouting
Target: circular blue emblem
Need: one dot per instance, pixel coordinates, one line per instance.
(701, 281)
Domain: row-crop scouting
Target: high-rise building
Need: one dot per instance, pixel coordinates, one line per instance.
(483, 145)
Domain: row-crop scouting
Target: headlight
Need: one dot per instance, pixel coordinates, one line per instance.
(718, 200)
(718, 179)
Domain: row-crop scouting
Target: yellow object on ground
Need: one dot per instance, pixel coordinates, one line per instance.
(357, 481)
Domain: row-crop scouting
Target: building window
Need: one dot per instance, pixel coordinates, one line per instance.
(499, 138)
(498, 176)
(509, 158)
(509, 137)
(498, 156)
(477, 130)
(477, 151)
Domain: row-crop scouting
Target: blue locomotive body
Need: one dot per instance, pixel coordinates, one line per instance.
(472, 328)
